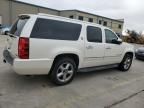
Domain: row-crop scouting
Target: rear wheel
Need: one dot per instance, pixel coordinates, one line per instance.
(126, 62)
(63, 71)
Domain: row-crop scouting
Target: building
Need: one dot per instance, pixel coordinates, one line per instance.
(116, 25)
(10, 9)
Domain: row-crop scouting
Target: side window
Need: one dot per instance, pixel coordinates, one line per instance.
(110, 36)
(53, 29)
(94, 34)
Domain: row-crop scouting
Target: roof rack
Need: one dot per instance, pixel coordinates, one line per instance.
(44, 14)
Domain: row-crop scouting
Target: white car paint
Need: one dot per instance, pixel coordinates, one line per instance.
(44, 51)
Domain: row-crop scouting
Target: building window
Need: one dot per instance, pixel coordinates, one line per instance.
(119, 26)
(100, 21)
(81, 18)
(71, 16)
(105, 23)
(90, 19)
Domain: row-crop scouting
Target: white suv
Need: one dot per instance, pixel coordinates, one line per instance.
(58, 46)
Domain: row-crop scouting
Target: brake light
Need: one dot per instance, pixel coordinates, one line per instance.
(23, 48)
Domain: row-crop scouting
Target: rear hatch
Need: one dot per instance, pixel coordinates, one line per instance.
(14, 34)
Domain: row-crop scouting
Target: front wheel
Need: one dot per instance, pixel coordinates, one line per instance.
(126, 62)
(63, 71)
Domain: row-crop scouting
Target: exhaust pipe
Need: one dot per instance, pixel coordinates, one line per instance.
(4, 61)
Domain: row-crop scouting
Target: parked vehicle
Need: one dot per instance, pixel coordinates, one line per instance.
(139, 53)
(4, 29)
(58, 46)
(1, 28)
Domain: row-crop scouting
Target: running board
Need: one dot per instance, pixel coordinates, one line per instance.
(89, 69)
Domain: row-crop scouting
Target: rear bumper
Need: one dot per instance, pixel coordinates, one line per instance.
(28, 66)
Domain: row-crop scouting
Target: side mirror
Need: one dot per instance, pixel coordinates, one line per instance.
(117, 41)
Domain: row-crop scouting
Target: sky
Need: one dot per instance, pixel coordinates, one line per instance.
(132, 11)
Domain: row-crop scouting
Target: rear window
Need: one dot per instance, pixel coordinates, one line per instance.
(18, 26)
(52, 29)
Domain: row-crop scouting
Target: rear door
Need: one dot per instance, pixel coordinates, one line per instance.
(94, 47)
(14, 34)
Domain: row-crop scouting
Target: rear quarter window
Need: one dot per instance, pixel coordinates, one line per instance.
(53, 29)
(18, 27)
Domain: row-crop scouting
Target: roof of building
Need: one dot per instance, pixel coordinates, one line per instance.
(119, 20)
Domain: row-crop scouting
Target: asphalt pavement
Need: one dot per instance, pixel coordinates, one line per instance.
(99, 89)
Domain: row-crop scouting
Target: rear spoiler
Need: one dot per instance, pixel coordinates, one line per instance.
(24, 16)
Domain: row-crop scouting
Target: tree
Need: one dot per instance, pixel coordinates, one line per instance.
(133, 34)
(140, 33)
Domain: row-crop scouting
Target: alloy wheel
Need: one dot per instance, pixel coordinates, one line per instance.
(64, 72)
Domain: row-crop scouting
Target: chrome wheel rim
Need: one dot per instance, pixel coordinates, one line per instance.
(127, 63)
(65, 72)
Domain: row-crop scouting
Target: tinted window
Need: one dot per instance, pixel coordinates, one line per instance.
(18, 26)
(71, 16)
(52, 29)
(80, 17)
(90, 19)
(94, 34)
(110, 36)
(105, 23)
(119, 26)
(100, 22)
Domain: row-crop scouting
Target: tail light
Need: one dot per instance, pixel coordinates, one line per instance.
(23, 48)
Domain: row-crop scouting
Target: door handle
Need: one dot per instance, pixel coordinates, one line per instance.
(89, 47)
(108, 48)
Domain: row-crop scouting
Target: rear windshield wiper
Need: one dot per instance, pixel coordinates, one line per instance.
(12, 35)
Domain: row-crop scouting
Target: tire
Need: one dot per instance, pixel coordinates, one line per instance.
(126, 63)
(63, 71)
